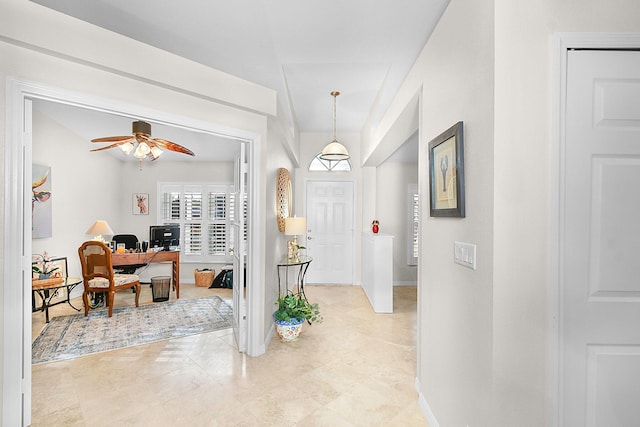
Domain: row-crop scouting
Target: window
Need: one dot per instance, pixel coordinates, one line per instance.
(320, 165)
(203, 211)
(413, 222)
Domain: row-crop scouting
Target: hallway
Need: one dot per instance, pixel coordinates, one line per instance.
(357, 368)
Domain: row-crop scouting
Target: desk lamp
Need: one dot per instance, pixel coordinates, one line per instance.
(100, 228)
(294, 227)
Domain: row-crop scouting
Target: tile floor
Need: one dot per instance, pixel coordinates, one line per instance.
(357, 368)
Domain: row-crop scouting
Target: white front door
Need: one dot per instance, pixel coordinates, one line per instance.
(329, 239)
(600, 241)
(238, 250)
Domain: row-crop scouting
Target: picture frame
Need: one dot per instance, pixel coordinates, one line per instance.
(61, 263)
(52, 263)
(140, 203)
(446, 173)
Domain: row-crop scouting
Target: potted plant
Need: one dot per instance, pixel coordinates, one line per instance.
(44, 267)
(293, 310)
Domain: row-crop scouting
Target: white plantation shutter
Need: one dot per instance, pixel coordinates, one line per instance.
(203, 211)
(413, 221)
(170, 209)
(217, 239)
(192, 206)
(218, 209)
(192, 238)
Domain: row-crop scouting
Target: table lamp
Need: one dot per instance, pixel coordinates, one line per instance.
(100, 228)
(294, 227)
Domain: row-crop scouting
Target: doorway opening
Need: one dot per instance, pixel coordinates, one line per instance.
(17, 230)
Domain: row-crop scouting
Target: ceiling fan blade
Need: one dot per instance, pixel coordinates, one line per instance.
(109, 146)
(168, 145)
(114, 139)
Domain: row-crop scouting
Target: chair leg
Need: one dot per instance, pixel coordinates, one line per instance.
(111, 297)
(137, 290)
(85, 299)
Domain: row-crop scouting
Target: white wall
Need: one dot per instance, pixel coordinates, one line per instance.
(276, 247)
(453, 79)
(392, 211)
(484, 337)
(82, 190)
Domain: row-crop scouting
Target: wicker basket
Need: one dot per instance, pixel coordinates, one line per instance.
(204, 278)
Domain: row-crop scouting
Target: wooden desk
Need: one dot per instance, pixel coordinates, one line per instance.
(149, 258)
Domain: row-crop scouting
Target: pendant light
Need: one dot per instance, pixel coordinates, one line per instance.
(334, 151)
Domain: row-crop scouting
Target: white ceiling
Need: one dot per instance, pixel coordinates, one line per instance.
(302, 49)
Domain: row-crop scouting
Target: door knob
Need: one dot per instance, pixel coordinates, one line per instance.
(309, 238)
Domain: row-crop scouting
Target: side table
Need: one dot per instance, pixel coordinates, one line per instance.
(302, 263)
(48, 289)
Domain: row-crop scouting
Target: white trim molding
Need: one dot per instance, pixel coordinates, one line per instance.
(425, 408)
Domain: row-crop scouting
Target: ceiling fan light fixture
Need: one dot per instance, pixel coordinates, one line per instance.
(142, 150)
(334, 151)
(126, 148)
(141, 143)
(156, 152)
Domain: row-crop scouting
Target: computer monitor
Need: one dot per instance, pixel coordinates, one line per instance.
(164, 236)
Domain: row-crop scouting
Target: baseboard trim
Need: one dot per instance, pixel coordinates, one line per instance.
(407, 283)
(424, 407)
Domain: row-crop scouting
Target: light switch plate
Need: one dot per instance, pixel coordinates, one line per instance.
(464, 254)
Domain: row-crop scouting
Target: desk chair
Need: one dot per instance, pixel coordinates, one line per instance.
(98, 275)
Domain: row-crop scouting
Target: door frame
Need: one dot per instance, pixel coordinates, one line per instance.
(562, 43)
(16, 345)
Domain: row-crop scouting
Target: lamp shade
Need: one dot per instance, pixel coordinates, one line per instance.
(100, 228)
(295, 226)
(334, 151)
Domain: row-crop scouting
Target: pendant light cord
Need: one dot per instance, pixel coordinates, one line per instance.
(335, 94)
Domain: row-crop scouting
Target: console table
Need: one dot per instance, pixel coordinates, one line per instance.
(48, 289)
(131, 258)
(302, 264)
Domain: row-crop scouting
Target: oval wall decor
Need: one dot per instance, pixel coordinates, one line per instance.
(284, 205)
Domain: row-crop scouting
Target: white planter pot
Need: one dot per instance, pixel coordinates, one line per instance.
(289, 331)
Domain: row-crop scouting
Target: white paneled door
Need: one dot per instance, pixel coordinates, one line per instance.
(237, 248)
(330, 232)
(600, 241)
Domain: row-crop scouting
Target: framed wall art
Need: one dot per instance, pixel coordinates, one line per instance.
(141, 204)
(446, 173)
(41, 200)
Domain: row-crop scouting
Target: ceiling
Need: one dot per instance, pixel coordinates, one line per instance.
(302, 49)
(89, 124)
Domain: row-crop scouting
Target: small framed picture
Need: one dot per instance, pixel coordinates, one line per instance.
(446, 173)
(141, 204)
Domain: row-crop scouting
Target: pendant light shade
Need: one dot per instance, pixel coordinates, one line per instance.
(334, 151)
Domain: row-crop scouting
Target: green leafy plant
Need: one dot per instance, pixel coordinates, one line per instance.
(292, 307)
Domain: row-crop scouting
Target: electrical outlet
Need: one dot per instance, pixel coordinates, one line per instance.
(464, 254)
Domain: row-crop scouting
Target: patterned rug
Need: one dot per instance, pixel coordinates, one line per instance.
(73, 336)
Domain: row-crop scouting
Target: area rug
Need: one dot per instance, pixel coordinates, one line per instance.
(73, 336)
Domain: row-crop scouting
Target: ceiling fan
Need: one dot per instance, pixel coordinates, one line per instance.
(141, 143)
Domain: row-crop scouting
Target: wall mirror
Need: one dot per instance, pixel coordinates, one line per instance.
(284, 204)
